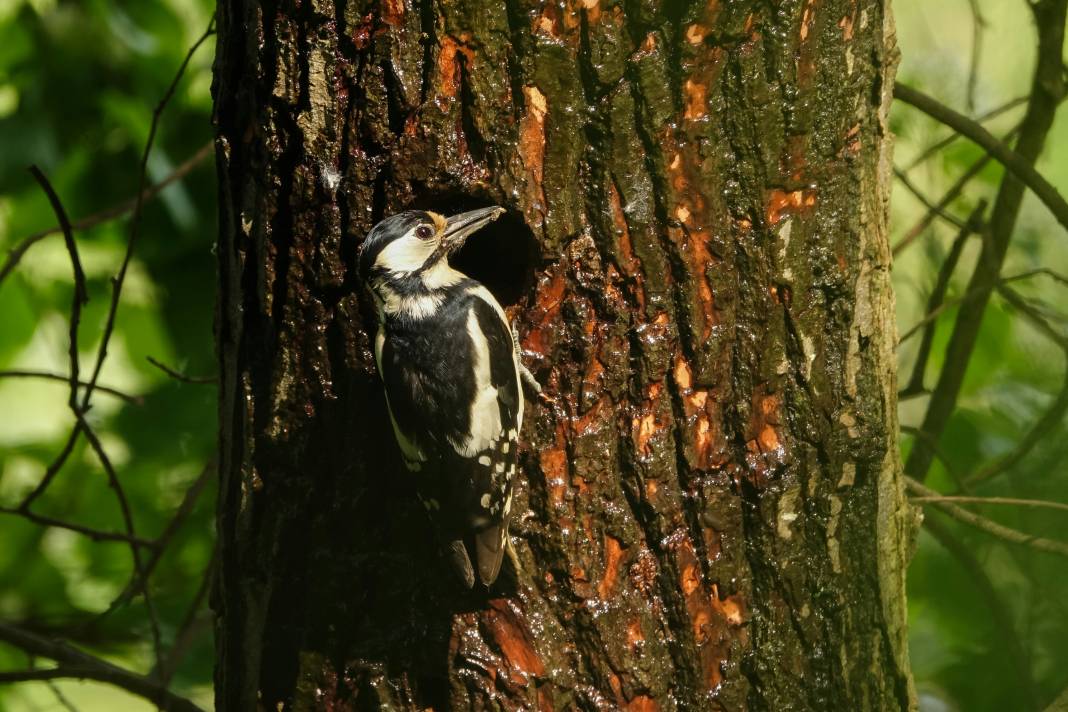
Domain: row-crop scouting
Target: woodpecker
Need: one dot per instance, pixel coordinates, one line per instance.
(450, 365)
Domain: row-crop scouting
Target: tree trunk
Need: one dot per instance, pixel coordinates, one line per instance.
(710, 514)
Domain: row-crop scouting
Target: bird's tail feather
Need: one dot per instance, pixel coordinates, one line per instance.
(461, 562)
(489, 550)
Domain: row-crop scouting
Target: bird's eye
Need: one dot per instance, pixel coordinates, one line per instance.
(423, 232)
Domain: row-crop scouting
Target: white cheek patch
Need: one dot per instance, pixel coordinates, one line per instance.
(405, 254)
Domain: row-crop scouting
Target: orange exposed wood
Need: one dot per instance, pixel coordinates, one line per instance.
(613, 556)
(781, 203)
(696, 100)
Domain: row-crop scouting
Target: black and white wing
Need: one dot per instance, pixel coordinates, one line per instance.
(457, 409)
(493, 443)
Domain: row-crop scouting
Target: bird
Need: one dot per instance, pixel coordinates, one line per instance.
(451, 369)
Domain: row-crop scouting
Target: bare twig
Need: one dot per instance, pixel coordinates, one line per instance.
(16, 253)
(1053, 416)
(1010, 501)
(999, 284)
(138, 582)
(178, 376)
(74, 663)
(938, 210)
(940, 145)
(938, 297)
(991, 527)
(946, 199)
(60, 697)
(192, 624)
(56, 465)
(1047, 91)
(93, 534)
(135, 219)
(53, 468)
(999, 612)
(1037, 319)
(46, 375)
(1020, 166)
(81, 296)
(933, 444)
(127, 518)
(978, 25)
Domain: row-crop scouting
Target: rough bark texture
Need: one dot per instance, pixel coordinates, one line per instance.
(710, 515)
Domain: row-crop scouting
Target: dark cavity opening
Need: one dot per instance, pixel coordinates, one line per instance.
(502, 256)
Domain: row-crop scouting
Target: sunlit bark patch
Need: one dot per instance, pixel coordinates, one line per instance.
(781, 203)
(532, 143)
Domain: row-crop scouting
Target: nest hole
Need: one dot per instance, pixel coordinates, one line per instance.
(502, 256)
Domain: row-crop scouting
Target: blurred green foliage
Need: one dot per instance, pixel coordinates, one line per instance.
(78, 83)
(962, 659)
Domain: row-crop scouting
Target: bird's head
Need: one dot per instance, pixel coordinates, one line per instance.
(414, 242)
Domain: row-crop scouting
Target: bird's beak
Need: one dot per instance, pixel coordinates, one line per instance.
(459, 227)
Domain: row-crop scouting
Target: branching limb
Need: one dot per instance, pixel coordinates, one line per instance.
(127, 518)
(1053, 416)
(179, 376)
(45, 375)
(1020, 166)
(938, 297)
(81, 295)
(74, 663)
(999, 612)
(1047, 91)
(938, 210)
(939, 146)
(16, 253)
(189, 501)
(135, 219)
(1010, 501)
(93, 534)
(950, 195)
(1013, 536)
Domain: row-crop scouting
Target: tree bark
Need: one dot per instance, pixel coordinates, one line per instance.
(710, 514)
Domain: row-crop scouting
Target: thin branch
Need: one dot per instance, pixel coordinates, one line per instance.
(938, 210)
(962, 486)
(81, 296)
(1047, 92)
(74, 663)
(1014, 162)
(978, 25)
(93, 534)
(53, 468)
(942, 144)
(16, 253)
(179, 376)
(938, 296)
(127, 518)
(1034, 316)
(138, 582)
(191, 625)
(964, 298)
(60, 697)
(1050, 420)
(56, 465)
(46, 375)
(1010, 501)
(135, 220)
(948, 197)
(1013, 536)
(999, 612)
